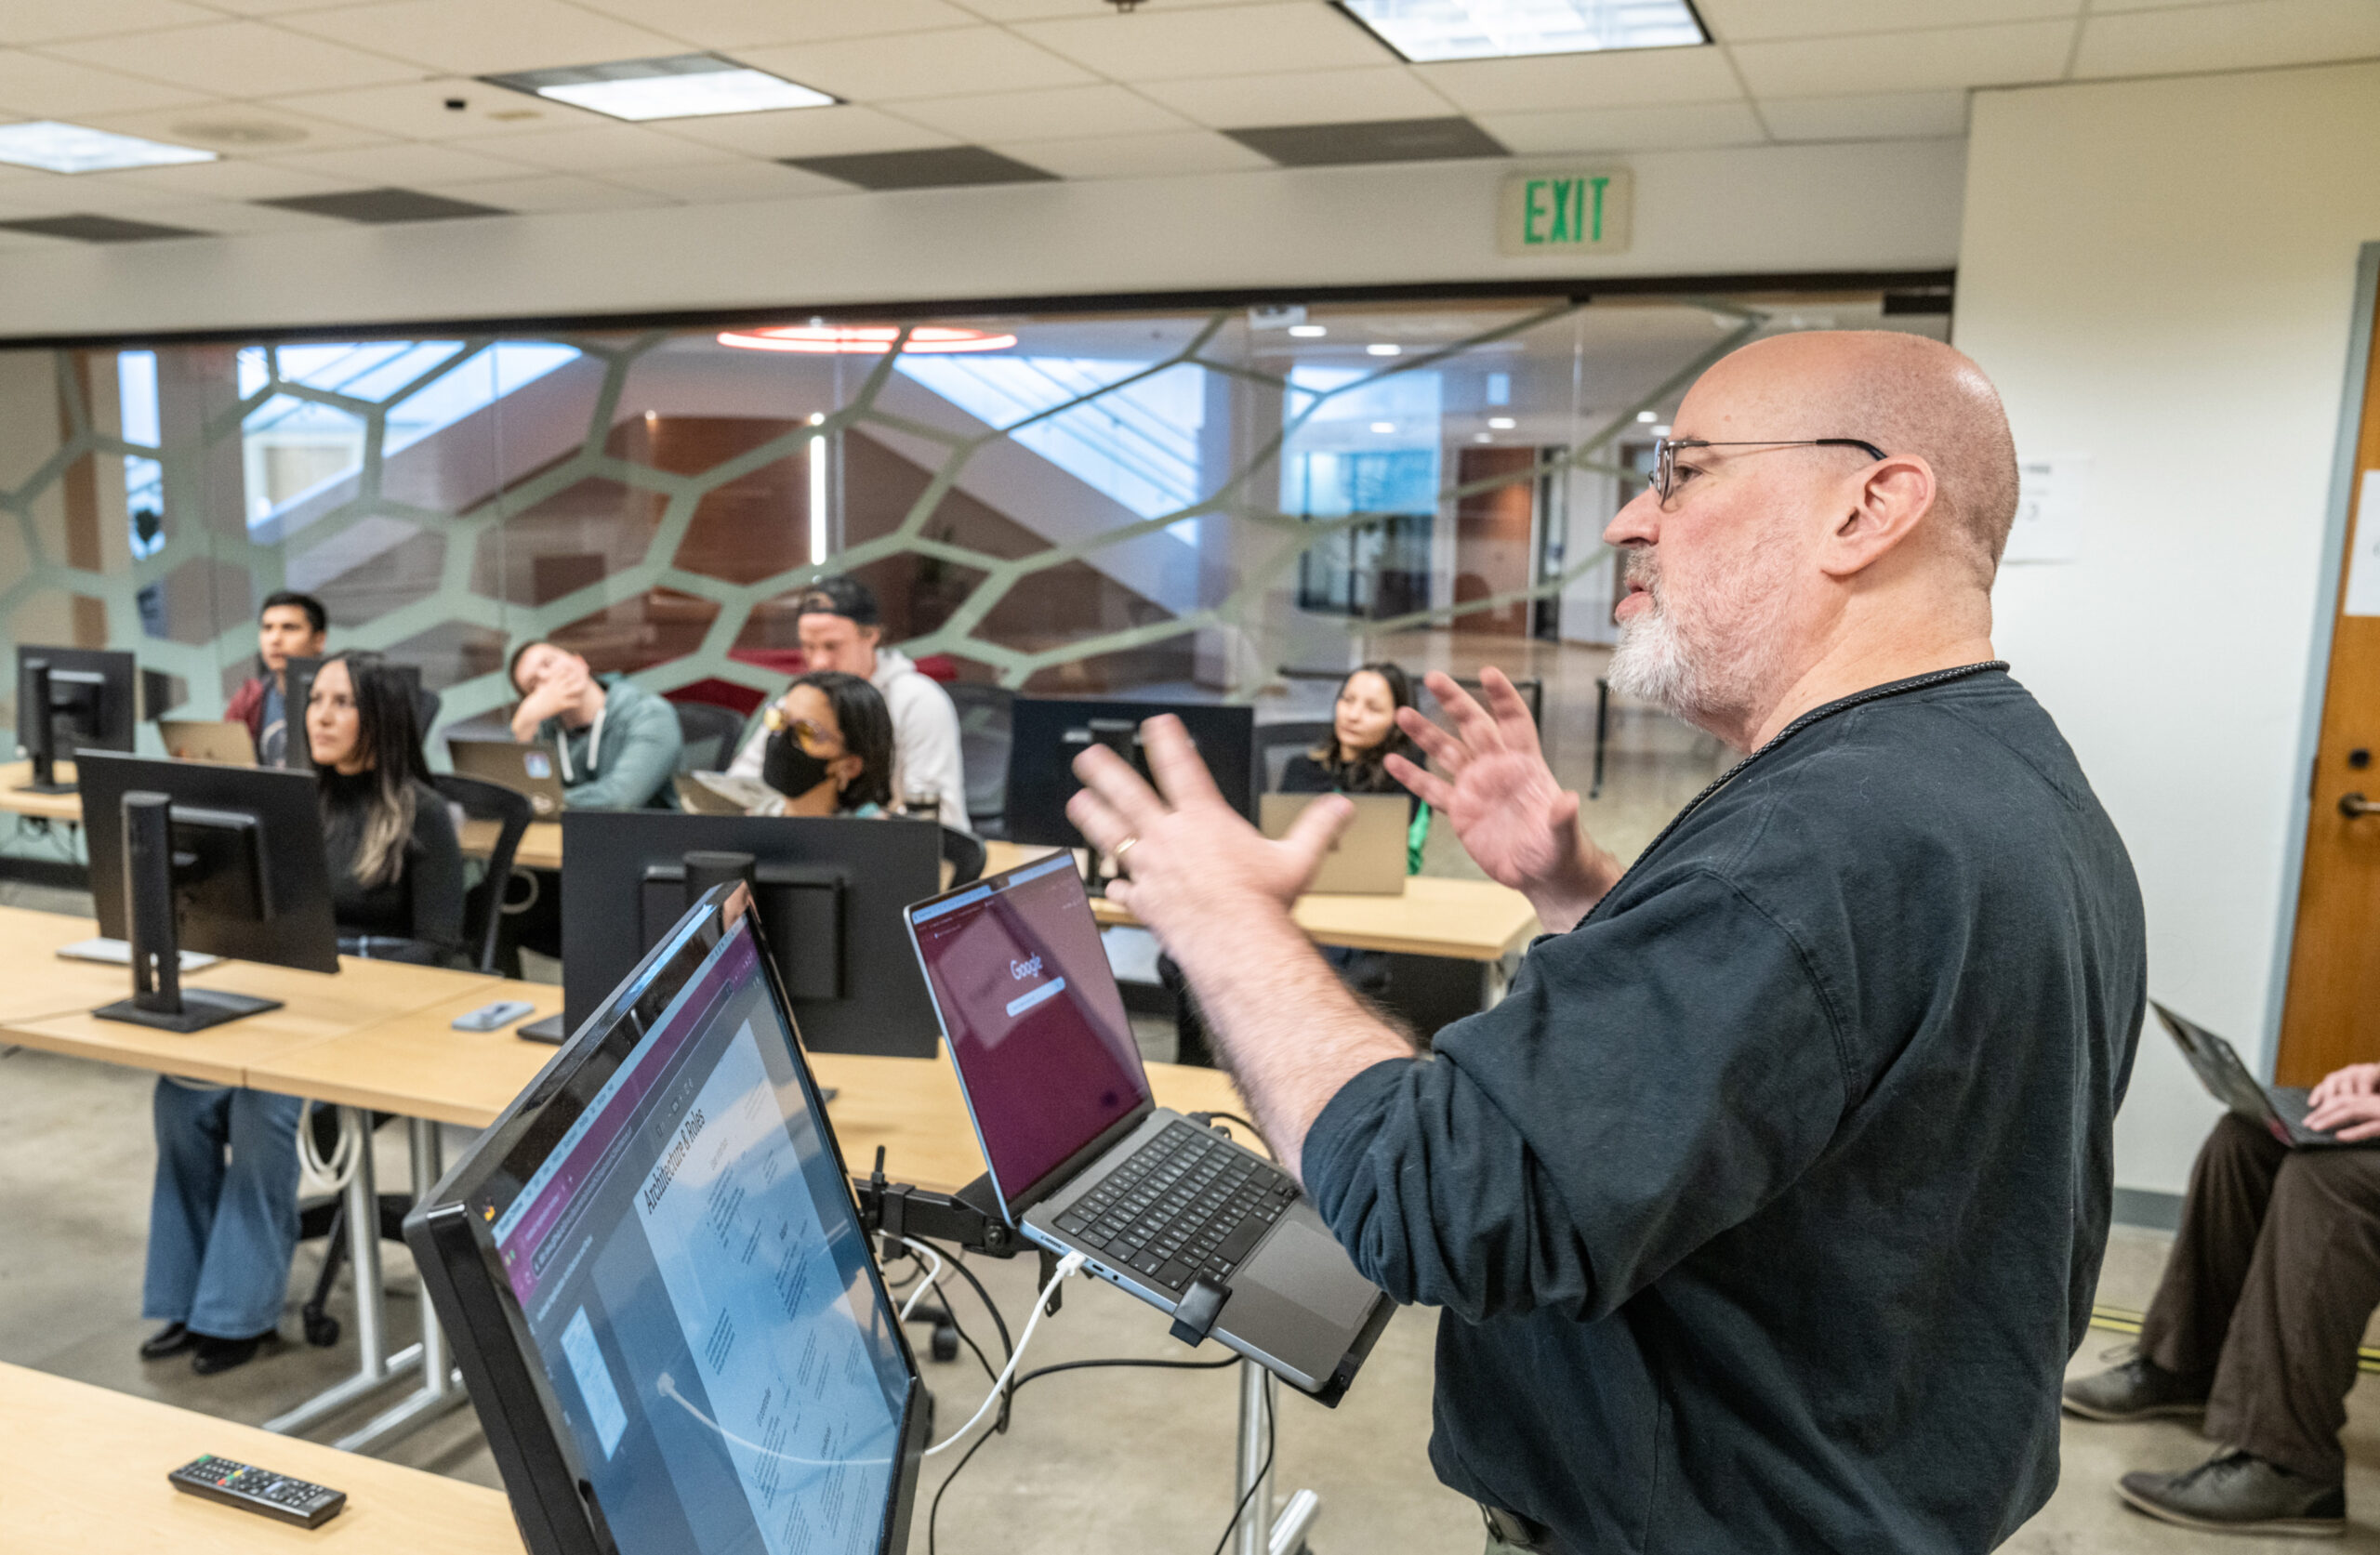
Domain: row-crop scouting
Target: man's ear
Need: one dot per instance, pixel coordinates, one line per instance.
(1886, 503)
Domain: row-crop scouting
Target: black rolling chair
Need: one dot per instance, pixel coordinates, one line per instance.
(964, 854)
(710, 732)
(984, 740)
(1276, 743)
(482, 909)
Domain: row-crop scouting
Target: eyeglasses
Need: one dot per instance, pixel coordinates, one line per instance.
(777, 720)
(1665, 479)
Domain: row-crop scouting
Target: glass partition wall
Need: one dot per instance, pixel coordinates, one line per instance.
(1225, 503)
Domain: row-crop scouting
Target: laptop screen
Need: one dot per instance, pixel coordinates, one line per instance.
(1035, 1023)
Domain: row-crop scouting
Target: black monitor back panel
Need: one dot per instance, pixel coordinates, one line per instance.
(298, 929)
(1049, 732)
(829, 891)
(91, 698)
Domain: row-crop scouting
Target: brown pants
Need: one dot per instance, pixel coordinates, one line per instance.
(2275, 1272)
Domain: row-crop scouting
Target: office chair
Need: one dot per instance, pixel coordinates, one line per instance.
(711, 734)
(983, 739)
(482, 909)
(964, 854)
(1276, 743)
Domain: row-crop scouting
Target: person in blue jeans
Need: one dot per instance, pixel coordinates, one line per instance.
(221, 1230)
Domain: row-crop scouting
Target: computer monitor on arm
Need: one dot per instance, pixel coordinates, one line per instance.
(70, 699)
(1049, 732)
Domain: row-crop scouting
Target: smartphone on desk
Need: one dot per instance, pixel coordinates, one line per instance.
(488, 1017)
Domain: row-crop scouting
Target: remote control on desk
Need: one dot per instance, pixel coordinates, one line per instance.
(259, 1490)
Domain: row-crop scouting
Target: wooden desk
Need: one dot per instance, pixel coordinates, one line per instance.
(37, 982)
(540, 845)
(417, 1064)
(84, 1468)
(14, 775)
(1462, 920)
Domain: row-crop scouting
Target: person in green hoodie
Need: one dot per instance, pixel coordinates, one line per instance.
(617, 743)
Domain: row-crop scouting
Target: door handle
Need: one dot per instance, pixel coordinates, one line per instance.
(2353, 805)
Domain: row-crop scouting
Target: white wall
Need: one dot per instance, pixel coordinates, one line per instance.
(1747, 210)
(2160, 274)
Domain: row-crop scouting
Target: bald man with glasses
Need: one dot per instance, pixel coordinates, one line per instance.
(1765, 1209)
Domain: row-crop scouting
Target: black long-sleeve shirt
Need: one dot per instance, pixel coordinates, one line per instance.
(424, 904)
(1767, 1208)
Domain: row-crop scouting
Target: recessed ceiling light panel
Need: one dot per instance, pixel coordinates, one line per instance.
(59, 147)
(1429, 31)
(682, 86)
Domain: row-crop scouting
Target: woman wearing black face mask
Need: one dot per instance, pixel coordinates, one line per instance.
(830, 747)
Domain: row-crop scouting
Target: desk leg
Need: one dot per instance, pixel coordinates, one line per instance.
(1259, 1531)
(375, 1367)
(440, 1388)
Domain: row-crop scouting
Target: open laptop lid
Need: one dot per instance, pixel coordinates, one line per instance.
(659, 1288)
(1034, 1024)
(2218, 1068)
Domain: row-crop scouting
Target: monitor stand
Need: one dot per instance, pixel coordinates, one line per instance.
(32, 690)
(46, 779)
(158, 998)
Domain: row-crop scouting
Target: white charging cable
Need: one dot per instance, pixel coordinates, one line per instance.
(933, 1275)
(340, 1167)
(1067, 1265)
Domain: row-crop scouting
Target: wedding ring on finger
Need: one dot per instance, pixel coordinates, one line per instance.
(1120, 849)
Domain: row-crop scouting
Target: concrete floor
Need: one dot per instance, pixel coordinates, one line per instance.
(1094, 1462)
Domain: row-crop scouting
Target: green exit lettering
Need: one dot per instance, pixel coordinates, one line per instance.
(1563, 210)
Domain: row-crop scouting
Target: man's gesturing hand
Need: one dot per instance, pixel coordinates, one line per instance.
(1495, 789)
(1193, 864)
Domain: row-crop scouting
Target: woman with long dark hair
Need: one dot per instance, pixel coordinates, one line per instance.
(396, 867)
(829, 749)
(1363, 736)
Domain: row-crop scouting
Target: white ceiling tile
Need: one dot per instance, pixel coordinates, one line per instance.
(1067, 113)
(276, 7)
(31, 22)
(1156, 44)
(235, 58)
(1303, 98)
(1658, 129)
(239, 128)
(550, 192)
(1046, 11)
(1582, 81)
(739, 23)
(1933, 60)
(2230, 37)
(483, 37)
(37, 86)
(718, 183)
(102, 193)
(1138, 156)
(1747, 20)
(1871, 116)
(234, 217)
(2101, 7)
(804, 132)
(603, 149)
(404, 166)
(417, 110)
(919, 65)
(233, 180)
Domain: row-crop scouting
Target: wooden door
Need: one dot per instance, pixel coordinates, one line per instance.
(2332, 1014)
(1491, 537)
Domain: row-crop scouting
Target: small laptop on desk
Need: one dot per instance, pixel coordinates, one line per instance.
(524, 768)
(2278, 1110)
(1083, 1160)
(1368, 857)
(209, 740)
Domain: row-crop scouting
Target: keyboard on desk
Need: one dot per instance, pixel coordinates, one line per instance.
(1186, 1204)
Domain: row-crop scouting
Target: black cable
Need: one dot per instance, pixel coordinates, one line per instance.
(1271, 1439)
(1007, 1347)
(951, 1315)
(1254, 1132)
(934, 1513)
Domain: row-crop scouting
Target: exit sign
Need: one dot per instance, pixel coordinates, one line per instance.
(1563, 213)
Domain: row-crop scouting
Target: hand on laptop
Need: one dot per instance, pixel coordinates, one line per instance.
(2347, 1101)
(1494, 787)
(1191, 855)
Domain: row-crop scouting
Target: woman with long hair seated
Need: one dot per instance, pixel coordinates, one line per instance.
(1363, 736)
(830, 748)
(223, 1215)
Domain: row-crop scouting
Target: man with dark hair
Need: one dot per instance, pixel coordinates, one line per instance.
(619, 744)
(841, 629)
(289, 625)
(1765, 1209)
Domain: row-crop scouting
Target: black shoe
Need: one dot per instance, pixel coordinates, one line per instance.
(172, 1340)
(2139, 1389)
(216, 1356)
(2238, 1492)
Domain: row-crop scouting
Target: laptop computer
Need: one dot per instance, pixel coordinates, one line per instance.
(1082, 1159)
(526, 768)
(225, 741)
(2279, 1109)
(1368, 857)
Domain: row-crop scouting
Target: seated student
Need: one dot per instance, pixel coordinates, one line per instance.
(2256, 1322)
(221, 1232)
(290, 626)
(829, 748)
(841, 628)
(396, 866)
(617, 743)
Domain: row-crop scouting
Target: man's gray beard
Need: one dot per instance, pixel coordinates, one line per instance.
(1712, 688)
(1653, 664)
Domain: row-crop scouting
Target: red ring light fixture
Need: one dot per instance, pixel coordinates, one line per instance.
(863, 339)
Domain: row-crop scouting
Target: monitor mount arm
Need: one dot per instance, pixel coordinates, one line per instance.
(158, 998)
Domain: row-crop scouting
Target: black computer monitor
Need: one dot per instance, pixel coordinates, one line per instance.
(659, 1286)
(225, 860)
(1049, 732)
(70, 699)
(831, 891)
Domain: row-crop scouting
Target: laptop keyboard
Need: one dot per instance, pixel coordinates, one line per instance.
(1186, 1204)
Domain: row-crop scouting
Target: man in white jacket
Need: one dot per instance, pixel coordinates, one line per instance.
(840, 628)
